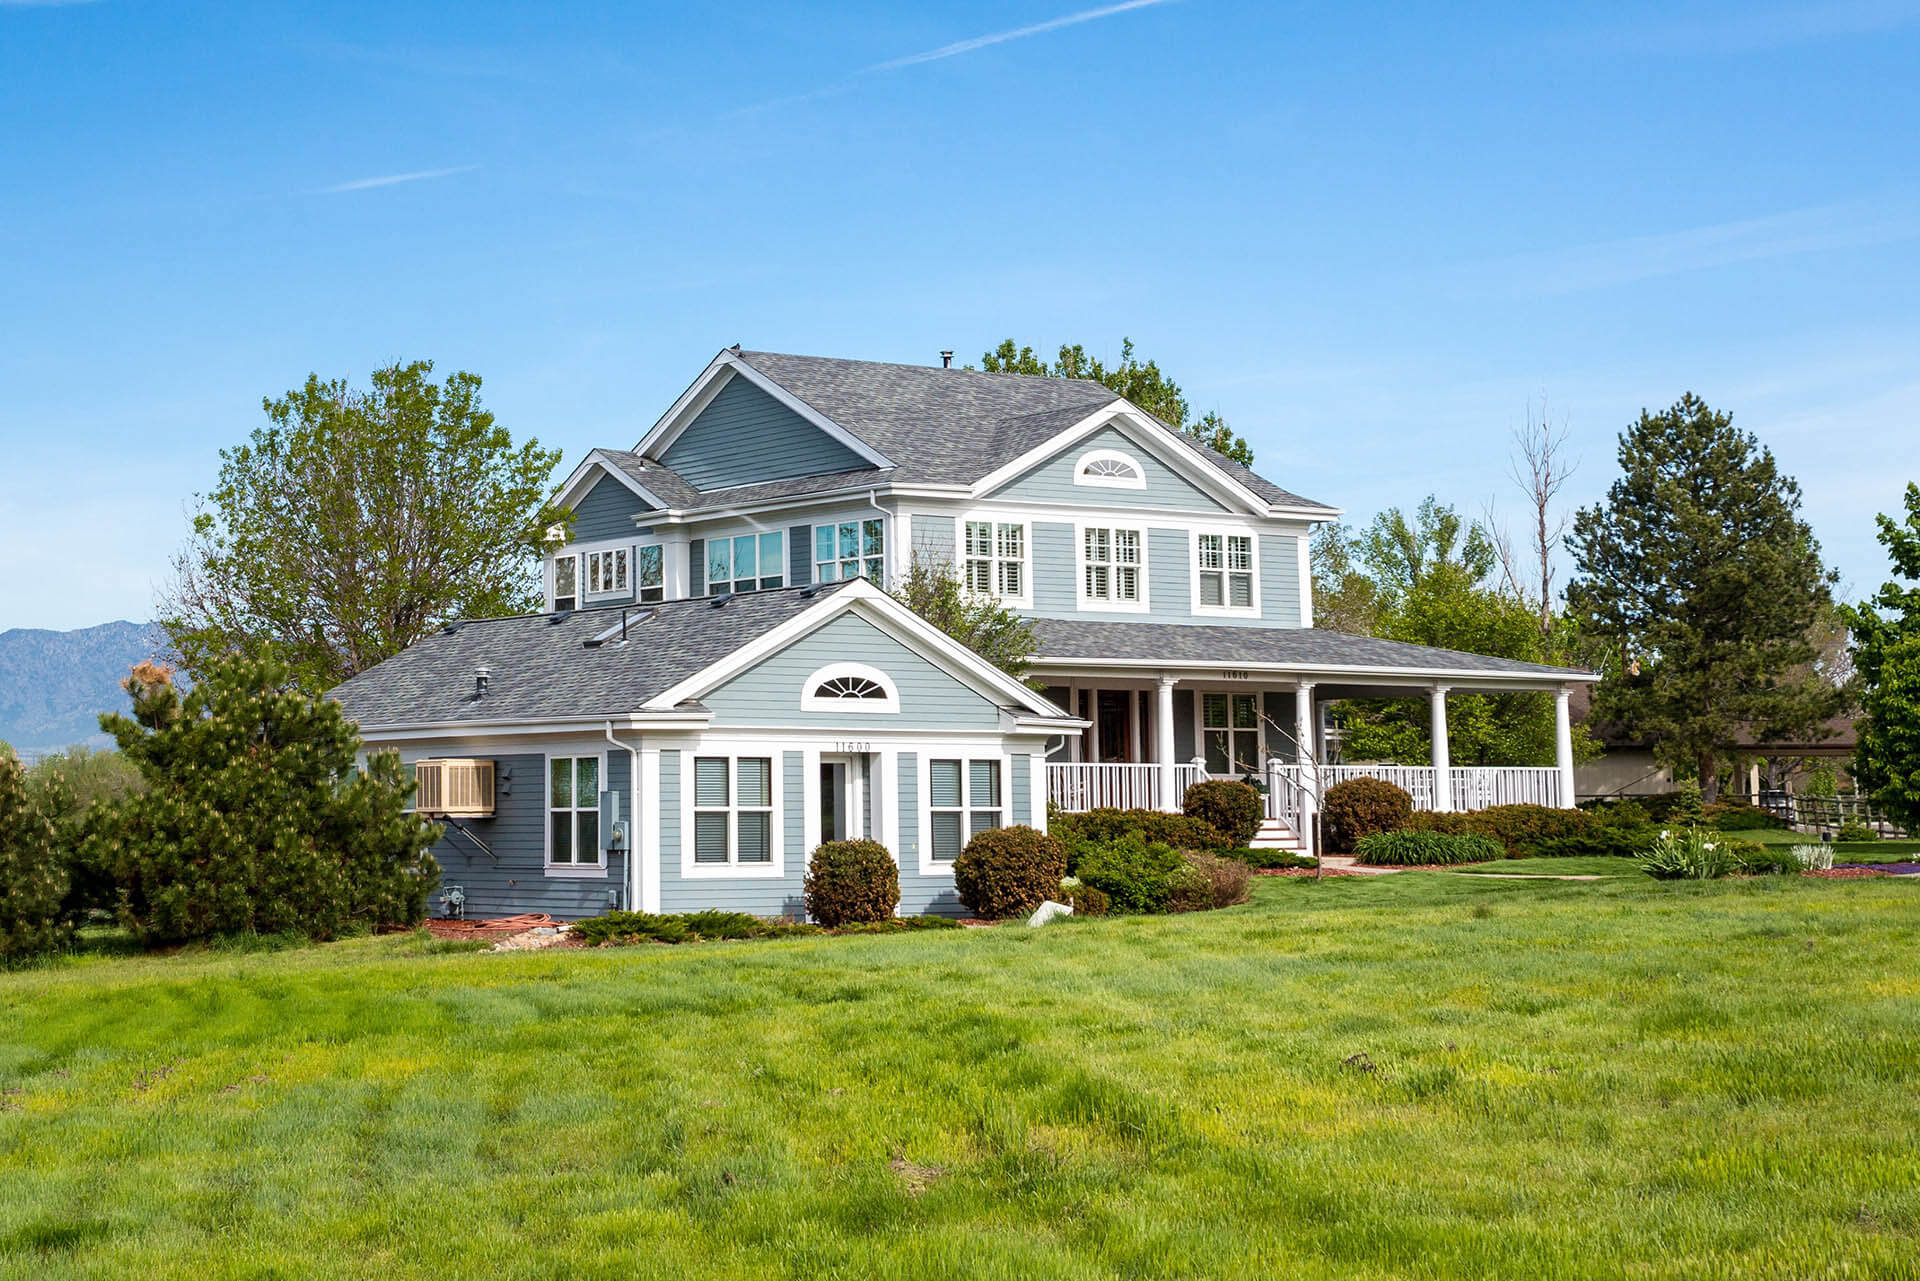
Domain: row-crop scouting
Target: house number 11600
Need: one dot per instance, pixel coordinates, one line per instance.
(853, 745)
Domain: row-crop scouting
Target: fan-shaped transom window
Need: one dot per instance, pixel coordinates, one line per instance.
(1111, 468)
(849, 687)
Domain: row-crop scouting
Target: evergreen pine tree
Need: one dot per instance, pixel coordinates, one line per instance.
(1700, 583)
(33, 874)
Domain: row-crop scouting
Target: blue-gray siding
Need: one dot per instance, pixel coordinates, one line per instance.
(1052, 480)
(932, 540)
(769, 692)
(799, 555)
(794, 765)
(745, 436)
(1280, 580)
(919, 895)
(1183, 723)
(514, 879)
(697, 567)
(1022, 788)
(1169, 579)
(605, 512)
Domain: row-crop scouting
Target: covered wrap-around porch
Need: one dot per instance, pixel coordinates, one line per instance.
(1157, 727)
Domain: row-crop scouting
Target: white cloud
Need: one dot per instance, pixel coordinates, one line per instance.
(389, 180)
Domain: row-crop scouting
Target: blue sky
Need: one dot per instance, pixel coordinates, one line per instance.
(1369, 239)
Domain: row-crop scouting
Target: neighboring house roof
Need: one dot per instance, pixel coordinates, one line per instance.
(1230, 646)
(938, 426)
(540, 668)
(1835, 736)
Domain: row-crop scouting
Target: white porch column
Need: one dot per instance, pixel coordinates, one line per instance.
(1563, 745)
(1303, 721)
(1163, 746)
(1093, 735)
(1442, 766)
(676, 564)
(1077, 744)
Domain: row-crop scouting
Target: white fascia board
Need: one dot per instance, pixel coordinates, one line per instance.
(521, 728)
(885, 612)
(563, 497)
(726, 366)
(1457, 676)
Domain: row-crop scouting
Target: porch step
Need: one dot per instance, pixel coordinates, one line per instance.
(1275, 835)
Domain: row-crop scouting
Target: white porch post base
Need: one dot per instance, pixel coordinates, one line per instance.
(1170, 798)
(1442, 766)
(1563, 745)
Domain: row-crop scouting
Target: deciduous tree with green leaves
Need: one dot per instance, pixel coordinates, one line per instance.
(1701, 585)
(1141, 383)
(356, 521)
(1886, 637)
(981, 623)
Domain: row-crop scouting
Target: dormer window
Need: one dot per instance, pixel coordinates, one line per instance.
(849, 687)
(607, 572)
(565, 582)
(1110, 469)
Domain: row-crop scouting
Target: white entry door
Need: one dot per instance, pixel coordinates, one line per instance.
(842, 802)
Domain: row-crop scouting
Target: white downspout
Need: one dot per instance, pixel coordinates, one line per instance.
(633, 819)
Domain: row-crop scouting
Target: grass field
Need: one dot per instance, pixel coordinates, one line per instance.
(1419, 1075)
(1594, 865)
(1900, 851)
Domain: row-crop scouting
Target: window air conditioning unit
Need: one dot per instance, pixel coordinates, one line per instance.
(453, 788)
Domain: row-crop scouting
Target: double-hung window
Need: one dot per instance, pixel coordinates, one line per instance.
(1225, 568)
(573, 811)
(733, 809)
(1230, 733)
(751, 562)
(996, 558)
(963, 800)
(650, 571)
(607, 572)
(1110, 565)
(566, 582)
(850, 549)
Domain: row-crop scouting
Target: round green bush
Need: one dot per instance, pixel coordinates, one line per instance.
(851, 881)
(1009, 871)
(1233, 808)
(1412, 848)
(1083, 898)
(1136, 874)
(1360, 807)
(1854, 830)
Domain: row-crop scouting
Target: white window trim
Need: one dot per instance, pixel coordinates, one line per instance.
(1259, 730)
(1137, 481)
(1022, 601)
(812, 702)
(706, 551)
(1222, 610)
(611, 593)
(887, 544)
(773, 869)
(581, 551)
(965, 755)
(1094, 603)
(569, 871)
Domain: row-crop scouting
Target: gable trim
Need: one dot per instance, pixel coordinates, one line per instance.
(1128, 421)
(598, 459)
(725, 367)
(890, 616)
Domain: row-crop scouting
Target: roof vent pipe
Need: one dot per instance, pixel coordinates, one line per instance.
(946, 360)
(481, 676)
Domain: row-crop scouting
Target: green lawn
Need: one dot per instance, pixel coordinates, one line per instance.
(1585, 866)
(1843, 851)
(1420, 1075)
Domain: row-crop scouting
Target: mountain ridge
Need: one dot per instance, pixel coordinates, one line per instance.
(54, 685)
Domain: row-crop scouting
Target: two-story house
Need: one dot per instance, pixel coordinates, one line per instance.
(721, 681)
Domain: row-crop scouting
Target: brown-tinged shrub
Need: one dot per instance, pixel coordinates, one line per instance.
(849, 881)
(1227, 878)
(1233, 808)
(1009, 871)
(1360, 807)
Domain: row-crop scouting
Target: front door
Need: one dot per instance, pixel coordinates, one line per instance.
(839, 798)
(1115, 725)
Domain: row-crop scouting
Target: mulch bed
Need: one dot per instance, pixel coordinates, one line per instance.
(488, 931)
(1843, 873)
(1307, 871)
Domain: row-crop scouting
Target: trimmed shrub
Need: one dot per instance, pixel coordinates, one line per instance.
(1227, 879)
(1009, 871)
(1756, 859)
(1082, 832)
(1360, 807)
(850, 881)
(683, 927)
(1083, 898)
(33, 871)
(1233, 808)
(1522, 829)
(1413, 848)
(1737, 816)
(1854, 830)
(1270, 860)
(1136, 874)
(1540, 831)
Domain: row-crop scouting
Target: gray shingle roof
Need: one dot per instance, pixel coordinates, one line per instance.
(938, 426)
(541, 669)
(1232, 646)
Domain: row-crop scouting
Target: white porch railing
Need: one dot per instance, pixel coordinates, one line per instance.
(1077, 788)
(1473, 787)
